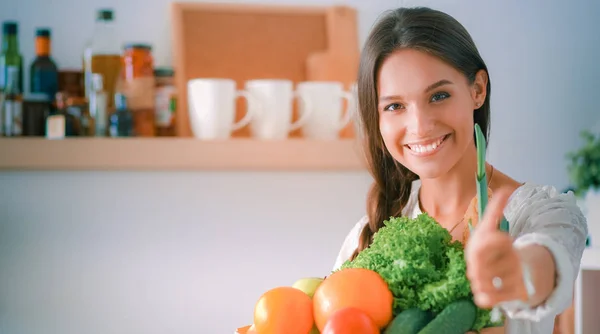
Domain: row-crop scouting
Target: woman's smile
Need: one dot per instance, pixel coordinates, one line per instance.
(427, 147)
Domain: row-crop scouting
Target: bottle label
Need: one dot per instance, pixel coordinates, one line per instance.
(13, 118)
(45, 81)
(163, 114)
(140, 93)
(55, 127)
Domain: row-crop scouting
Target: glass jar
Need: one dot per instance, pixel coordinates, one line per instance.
(138, 86)
(164, 117)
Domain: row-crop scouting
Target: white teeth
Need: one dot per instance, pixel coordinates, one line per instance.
(426, 148)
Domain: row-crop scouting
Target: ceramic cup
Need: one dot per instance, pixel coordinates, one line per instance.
(324, 99)
(212, 107)
(274, 119)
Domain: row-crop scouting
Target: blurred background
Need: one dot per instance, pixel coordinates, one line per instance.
(155, 250)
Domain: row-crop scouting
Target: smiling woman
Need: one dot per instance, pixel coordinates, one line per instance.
(427, 111)
(422, 87)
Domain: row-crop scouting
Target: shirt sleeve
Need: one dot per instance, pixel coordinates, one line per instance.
(545, 217)
(350, 244)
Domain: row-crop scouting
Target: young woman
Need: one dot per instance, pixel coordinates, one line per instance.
(422, 86)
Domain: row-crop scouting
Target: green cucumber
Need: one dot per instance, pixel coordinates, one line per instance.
(409, 321)
(456, 318)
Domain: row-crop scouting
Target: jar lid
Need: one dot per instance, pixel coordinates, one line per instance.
(164, 72)
(138, 46)
(10, 28)
(42, 32)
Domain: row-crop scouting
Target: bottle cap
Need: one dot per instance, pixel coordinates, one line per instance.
(10, 28)
(42, 32)
(105, 15)
(164, 72)
(138, 46)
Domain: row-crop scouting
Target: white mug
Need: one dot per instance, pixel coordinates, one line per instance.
(324, 98)
(274, 119)
(212, 107)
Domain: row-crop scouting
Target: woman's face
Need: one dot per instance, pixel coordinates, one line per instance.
(426, 111)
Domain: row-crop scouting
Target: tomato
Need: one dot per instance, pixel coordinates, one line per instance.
(283, 310)
(350, 320)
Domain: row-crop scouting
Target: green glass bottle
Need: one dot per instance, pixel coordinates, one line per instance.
(10, 55)
(12, 113)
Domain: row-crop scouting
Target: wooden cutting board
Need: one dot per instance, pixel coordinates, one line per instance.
(244, 42)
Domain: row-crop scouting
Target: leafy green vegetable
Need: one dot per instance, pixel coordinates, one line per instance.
(421, 264)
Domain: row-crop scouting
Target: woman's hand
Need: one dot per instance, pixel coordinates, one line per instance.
(493, 265)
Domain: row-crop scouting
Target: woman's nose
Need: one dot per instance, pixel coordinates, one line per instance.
(420, 122)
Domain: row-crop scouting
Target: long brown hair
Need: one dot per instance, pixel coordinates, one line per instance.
(427, 30)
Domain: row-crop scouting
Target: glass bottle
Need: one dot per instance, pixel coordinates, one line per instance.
(102, 55)
(12, 113)
(43, 73)
(10, 55)
(121, 121)
(98, 106)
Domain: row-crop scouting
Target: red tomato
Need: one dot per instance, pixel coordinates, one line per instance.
(350, 320)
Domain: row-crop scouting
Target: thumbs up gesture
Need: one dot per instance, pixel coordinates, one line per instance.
(493, 264)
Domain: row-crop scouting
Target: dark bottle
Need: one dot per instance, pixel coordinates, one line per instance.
(43, 71)
(10, 57)
(121, 121)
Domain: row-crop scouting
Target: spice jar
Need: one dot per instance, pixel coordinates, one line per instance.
(138, 86)
(164, 117)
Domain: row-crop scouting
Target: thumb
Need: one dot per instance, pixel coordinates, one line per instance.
(494, 211)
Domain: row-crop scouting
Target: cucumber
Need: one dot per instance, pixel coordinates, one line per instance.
(409, 321)
(456, 318)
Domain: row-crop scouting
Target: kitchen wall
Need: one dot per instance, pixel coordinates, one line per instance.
(144, 252)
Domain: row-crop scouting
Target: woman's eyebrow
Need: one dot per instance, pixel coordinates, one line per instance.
(438, 84)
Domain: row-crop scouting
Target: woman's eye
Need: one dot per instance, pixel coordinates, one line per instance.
(392, 107)
(439, 96)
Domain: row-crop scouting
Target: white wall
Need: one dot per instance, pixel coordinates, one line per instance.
(169, 257)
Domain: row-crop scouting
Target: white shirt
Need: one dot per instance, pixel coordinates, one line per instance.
(536, 215)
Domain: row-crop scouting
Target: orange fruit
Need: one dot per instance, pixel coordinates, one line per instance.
(350, 320)
(283, 310)
(363, 289)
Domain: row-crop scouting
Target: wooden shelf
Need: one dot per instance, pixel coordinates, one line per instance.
(178, 154)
